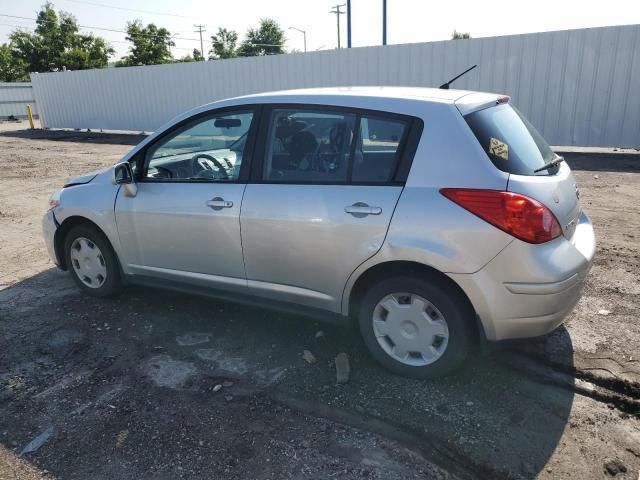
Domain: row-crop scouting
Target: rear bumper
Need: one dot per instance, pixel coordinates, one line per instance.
(528, 290)
(49, 227)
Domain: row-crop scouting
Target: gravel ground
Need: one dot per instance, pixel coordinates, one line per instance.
(162, 385)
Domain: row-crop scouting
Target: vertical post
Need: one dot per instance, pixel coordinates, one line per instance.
(384, 22)
(30, 117)
(200, 30)
(338, 12)
(304, 36)
(338, 19)
(348, 23)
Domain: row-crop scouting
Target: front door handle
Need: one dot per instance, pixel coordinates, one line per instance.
(360, 209)
(219, 203)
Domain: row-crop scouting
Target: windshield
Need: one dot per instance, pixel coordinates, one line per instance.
(510, 141)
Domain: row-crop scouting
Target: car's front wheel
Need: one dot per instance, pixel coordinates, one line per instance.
(415, 326)
(92, 262)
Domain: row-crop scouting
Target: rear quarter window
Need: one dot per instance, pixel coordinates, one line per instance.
(510, 141)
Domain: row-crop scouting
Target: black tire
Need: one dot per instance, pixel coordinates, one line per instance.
(113, 282)
(446, 298)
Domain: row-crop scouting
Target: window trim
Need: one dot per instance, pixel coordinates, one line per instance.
(411, 142)
(352, 148)
(400, 169)
(142, 161)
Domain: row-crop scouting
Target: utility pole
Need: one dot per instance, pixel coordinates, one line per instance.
(200, 30)
(336, 10)
(348, 23)
(384, 22)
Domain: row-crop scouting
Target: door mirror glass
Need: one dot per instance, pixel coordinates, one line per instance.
(122, 173)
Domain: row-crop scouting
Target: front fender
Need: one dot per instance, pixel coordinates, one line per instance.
(94, 201)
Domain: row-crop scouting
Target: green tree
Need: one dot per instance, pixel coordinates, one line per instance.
(87, 51)
(460, 35)
(224, 43)
(151, 45)
(267, 39)
(196, 57)
(56, 44)
(12, 69)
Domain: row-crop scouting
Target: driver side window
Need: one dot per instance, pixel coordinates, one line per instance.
(210, 148)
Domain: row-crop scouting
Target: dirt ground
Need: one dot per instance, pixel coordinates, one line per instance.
(162, 385)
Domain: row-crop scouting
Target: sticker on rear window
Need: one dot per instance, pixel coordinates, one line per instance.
(498, 148)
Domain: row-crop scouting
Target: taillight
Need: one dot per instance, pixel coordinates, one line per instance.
(516, 214)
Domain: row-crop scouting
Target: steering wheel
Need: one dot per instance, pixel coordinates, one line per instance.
(163, 172)
(204, 162)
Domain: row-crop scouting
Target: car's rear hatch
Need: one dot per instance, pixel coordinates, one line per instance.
(513, 145)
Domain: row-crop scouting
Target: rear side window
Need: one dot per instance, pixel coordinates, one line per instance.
(510, 141)
(342, 146)
(377, 149)
(308, 146)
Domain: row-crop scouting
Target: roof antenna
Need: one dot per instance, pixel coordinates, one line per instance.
(445, 86)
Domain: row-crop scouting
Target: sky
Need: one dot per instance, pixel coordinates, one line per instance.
(408, 21)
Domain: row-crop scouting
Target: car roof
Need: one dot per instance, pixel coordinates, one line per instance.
(379, 92)
(372, 97)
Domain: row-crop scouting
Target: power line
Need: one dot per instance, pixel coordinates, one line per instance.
(98, 28)
(124, 41)
(131, 9)
(135, 34)
(109, 40)
(336, 10)
(12, 25)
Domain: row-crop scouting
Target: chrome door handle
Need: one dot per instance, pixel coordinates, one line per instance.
(361, 209)
(218, 203)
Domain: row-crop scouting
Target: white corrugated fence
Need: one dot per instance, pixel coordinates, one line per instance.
(578, 87)
(14, 98)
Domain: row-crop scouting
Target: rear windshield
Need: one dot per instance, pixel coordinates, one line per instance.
(510, 141)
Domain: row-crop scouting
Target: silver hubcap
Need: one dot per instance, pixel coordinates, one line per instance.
(410, 329)
(88, 262)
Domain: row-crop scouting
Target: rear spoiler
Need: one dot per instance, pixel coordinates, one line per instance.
(475, 101)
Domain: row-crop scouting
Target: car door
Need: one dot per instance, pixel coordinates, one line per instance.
(184, 222)
(321, 196)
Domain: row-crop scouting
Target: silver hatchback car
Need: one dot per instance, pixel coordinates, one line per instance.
(435, 219)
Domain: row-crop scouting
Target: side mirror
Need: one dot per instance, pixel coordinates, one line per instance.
(123, 175)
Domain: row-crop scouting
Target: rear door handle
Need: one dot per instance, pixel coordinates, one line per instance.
(219, 203)
(360, 209)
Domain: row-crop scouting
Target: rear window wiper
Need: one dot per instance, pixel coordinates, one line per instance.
(553, 163)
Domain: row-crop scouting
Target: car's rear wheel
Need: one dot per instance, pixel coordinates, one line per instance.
(415, 326)
(92, 262)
